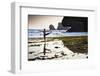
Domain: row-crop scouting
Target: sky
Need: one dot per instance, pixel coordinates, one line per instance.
(41, 22)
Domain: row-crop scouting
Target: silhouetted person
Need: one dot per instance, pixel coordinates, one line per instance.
(44, 36)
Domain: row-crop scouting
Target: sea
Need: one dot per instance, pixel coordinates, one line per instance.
(38, 33)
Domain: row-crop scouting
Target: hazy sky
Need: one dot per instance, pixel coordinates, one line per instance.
(41, 22)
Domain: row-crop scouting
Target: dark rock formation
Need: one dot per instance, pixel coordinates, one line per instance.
(77, 24)
(61, 27)
(51, 27)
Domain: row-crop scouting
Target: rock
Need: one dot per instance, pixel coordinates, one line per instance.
(77, 24)
(61, 27)
(51, 27)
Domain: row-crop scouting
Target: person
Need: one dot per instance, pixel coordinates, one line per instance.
(44, 36)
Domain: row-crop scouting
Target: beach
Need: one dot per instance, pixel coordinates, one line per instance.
(58, 48)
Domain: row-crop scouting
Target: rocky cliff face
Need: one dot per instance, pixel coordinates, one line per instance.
(77, 24)
(61, 27)
(51, 27)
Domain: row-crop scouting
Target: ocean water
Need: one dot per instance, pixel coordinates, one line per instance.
(35, 33)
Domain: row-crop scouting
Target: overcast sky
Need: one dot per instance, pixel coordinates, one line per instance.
(41, 22)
